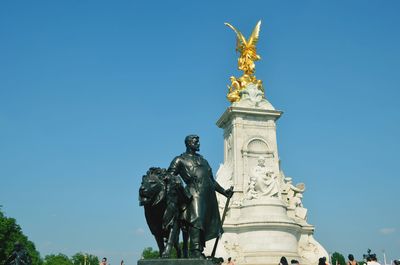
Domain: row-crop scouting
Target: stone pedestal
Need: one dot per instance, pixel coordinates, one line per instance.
(175, 262)
(266, 219)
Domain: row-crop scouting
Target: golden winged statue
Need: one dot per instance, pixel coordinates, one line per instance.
(248, 55)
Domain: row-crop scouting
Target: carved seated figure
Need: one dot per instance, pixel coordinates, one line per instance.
(262, 182)
(268, 185)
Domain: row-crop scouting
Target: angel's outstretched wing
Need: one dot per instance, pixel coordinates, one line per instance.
(254, 35)
(240, 40)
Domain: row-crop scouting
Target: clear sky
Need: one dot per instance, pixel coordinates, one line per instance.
(93, 93)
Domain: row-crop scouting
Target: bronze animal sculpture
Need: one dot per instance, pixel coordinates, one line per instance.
(164, 200)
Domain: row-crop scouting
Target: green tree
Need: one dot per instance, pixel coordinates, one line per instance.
(149, 253)
(59, 259)
(338, 259)
(11, 232)
(79, 259)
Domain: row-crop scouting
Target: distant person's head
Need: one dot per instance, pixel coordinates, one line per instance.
(104, 260)
(396, 262)
(229, 259)
(294, 262)
(351, 257)
(322, 261)
(283, 261)
(373, 257)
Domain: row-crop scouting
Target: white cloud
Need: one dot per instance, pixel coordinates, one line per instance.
(139, 231)
(387, 231)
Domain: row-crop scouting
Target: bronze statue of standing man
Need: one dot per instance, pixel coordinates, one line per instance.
(202, 214)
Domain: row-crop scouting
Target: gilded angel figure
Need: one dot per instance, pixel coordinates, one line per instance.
(248, 55)
(247, 49)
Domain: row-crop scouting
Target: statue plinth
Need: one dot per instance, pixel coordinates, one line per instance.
(266, 219)
(175, 262)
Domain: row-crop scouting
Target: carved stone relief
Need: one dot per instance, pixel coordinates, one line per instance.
(262, 183)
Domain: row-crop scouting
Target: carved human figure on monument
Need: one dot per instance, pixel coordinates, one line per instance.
(251, 192)
(308, 250)
(269, 185)
(294, 196)
(262, 182)
(202, 212)
(260, 170)
(296, 200)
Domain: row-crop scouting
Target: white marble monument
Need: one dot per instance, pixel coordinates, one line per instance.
(266, 218)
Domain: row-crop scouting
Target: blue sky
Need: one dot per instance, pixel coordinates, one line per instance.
(93, 93)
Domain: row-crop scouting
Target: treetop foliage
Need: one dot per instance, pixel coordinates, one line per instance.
(10, 233)
(149, 253)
